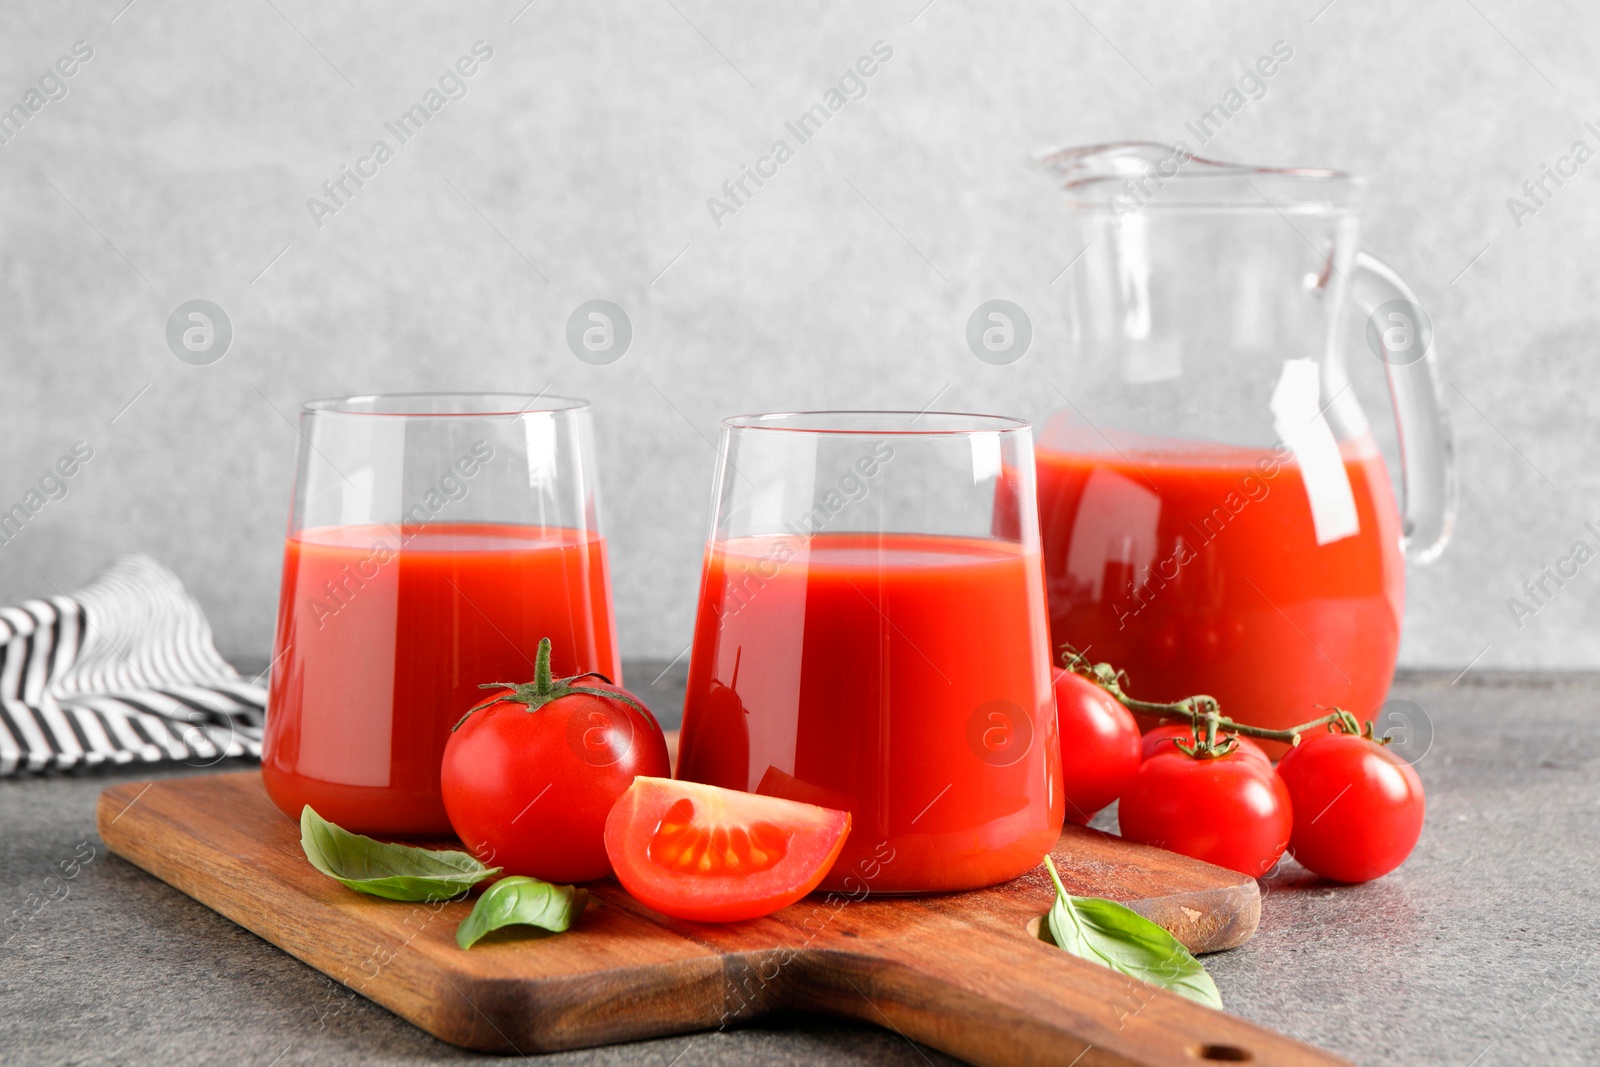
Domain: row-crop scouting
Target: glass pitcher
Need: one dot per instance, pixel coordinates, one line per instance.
(1216, 517)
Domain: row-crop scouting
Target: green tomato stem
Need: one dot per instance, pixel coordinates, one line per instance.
(544, 688)
(542, 679)
(1201, 711)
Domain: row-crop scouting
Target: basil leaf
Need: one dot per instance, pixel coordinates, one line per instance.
(1120, 938)
(396, 872)
(519, 901)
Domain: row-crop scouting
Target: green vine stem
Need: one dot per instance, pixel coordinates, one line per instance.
(1202, 712)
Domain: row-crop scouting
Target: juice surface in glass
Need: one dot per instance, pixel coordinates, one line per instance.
(1196, 568)
(879, 673)
(385, 633)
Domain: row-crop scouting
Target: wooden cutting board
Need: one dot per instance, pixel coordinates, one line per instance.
(963, 972)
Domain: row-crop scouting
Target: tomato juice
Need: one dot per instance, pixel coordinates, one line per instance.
(1197, 568)
(384, 635)
(901, 677)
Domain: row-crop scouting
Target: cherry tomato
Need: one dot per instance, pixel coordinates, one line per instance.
(1233, 810)
(528, 781)
(1161, 740)
(710, 854)
(1099, 745)
(1358, 806)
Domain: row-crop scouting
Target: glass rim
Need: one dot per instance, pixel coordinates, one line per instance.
(445, 405)
(1085, 169)
(958, 423)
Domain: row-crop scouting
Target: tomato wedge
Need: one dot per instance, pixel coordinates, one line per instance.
(709, 854)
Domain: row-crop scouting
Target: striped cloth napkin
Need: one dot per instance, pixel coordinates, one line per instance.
(124, 670)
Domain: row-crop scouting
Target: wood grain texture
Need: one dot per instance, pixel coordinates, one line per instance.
(961, 972)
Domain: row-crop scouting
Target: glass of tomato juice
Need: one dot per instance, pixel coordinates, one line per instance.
(433, 540)
(872, 636)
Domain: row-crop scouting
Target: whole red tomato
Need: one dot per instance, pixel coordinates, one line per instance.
(1099, 745)
(530, 775)
(1163, 739)
(1230, 810)
(1358, 806)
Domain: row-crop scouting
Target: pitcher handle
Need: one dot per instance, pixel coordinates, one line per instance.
(1400, 331)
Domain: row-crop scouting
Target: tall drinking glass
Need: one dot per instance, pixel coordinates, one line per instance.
(434, 540)
(872, 637)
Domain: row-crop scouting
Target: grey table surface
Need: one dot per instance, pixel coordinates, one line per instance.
(1480, 951)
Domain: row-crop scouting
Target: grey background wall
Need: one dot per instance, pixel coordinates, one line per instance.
(578, 165)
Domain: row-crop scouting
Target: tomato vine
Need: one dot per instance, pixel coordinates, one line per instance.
(1215, 734)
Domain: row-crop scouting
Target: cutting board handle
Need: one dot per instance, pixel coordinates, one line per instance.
(1052, 1008)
